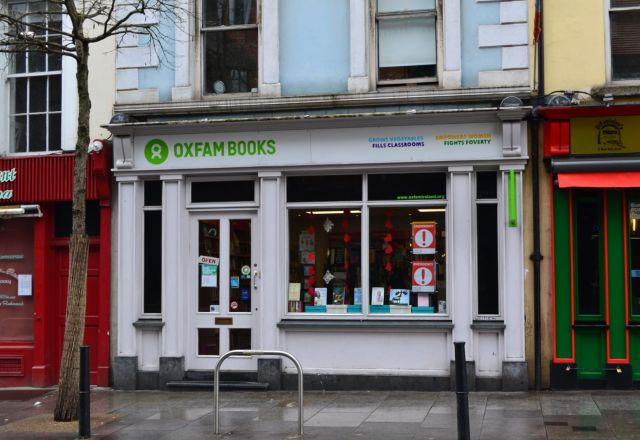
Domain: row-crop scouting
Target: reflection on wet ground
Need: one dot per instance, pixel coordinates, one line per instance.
(369, 415)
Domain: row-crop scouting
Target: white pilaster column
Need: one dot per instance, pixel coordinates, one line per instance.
(461, 251)
(271, 254)
(173, 291)
(270, 53)
(183, 90)
(452, 71)
(513, 272)
(358, 31)
(130, 199)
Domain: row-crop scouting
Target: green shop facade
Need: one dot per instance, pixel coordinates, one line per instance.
(592, 154)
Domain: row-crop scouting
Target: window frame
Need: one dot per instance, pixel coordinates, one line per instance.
(374, 41)
(12, 77)
(364, 206)
(608, 51)
(203, 30)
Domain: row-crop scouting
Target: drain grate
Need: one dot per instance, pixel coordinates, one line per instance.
(556, 423)
(584, 428)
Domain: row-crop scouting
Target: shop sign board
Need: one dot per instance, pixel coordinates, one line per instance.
(419, 143)
(605, 135)
(7, 176)
(423, 238)
(423, 276)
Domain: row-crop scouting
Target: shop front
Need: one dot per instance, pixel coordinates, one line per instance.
(595, 206)
(35, 224)
(363, 246)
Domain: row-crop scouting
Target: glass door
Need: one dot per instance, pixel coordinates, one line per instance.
(223, 276)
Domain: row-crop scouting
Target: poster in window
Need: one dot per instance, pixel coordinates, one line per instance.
(306, 241)
(377, 296)
(208, 275)
(338, 295)
(320, 296)
(294, 291)
(399, 296)
(423, 238)
(423, 277)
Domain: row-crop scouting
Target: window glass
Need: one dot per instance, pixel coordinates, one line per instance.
(153, 193)
(487, 258)
(230, 40)
(239, 339)
(324, 188)
(324, 261)
(16, 262)
(239, 260)
(625, 43)
(223, 191)
(35, 98)
(588, 249)
(486, 187)
(62, 219)
(152, 261)
(405, 5)
(229, 12)
(634, 254)
(208, 342)
(407, 49)
(209, 245)
(424, 186)
(231, 61)
(407, 270)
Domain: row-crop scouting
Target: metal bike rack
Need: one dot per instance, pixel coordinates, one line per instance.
(216, 382)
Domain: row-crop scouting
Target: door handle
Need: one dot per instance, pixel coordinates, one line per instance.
(256, 274)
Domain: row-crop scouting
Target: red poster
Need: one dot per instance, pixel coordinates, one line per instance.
(423, 276)
(423, 237)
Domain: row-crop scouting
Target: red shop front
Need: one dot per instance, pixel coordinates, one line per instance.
(35, 225)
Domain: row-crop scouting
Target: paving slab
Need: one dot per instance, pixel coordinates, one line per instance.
(361, 415)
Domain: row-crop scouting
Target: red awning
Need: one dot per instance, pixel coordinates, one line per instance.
(619, 179)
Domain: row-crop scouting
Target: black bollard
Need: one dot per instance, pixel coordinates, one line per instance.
(462, 392)
(84, 412)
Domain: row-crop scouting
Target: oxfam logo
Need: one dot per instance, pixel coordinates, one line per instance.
(156, 151)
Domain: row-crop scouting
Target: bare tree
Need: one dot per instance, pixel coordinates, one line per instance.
(69, 28)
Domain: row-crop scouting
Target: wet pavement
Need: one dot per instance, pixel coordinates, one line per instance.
(366, 415)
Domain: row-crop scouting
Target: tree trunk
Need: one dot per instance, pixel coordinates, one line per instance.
(68, 394)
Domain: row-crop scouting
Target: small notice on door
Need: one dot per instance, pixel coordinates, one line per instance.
(208, 275)
(24, 284)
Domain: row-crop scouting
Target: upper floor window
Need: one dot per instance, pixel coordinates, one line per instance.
(624, 18)
(406, 31)
(35, 82)
(230, 46)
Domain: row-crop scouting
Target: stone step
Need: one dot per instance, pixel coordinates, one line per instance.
(224, 385)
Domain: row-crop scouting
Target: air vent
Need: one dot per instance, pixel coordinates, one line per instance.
(11, 366)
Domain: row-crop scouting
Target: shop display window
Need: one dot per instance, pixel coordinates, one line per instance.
(324, 261)
(407, 270)
(16, 280)
(398, 225)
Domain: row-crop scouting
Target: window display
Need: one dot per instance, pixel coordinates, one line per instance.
(324, 261)
(407, 260)
(405, 245)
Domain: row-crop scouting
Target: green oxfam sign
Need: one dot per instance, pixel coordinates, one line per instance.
(157, 151)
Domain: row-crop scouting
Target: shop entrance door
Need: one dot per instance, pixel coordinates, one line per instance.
(223, 276)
